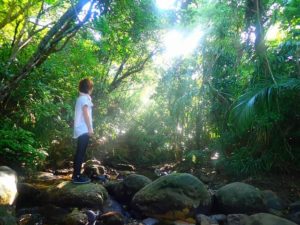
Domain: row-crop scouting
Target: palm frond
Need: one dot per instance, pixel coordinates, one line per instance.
(260, 99)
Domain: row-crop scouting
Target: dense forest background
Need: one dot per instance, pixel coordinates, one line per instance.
(194, 81)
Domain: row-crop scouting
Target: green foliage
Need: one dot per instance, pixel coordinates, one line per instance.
(19, 148)
(247, 161)
(197, 158)
(260, 100)
(233, 93)
(147, 148)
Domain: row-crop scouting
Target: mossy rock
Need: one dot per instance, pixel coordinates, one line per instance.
(67, 194)
(267, 219)
(76, 217)
(240, 198)
(27, 196)
(124, 190)
(173, 197)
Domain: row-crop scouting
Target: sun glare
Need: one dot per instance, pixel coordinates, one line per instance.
(8, 188)
(180, 44)
(274, 33)
(82, 14)
(166, 4)
(146, 95)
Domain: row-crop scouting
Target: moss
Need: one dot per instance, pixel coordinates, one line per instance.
(84, 195)
(173, 196)
(240, 198)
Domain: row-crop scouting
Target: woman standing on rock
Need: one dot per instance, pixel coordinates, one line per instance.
(83, 128)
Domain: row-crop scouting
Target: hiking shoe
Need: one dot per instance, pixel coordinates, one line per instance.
(81, 180)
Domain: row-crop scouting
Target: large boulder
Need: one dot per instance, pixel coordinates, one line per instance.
(8, 185)
(239, 198)
(27, 196)
(67, 194)
(124, 190)
(173, 197)
(266, 219)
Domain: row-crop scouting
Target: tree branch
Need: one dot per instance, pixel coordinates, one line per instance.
(134, 69)
(120, 69)
(62, 29)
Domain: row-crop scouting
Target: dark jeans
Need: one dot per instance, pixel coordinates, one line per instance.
(82, 143)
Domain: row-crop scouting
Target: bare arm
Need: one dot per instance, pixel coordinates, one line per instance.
(87, 119)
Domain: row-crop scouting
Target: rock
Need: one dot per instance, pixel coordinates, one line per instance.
(27, 196)
(122, 174)
(206, 178)
(124, 190)
(220, 218)
(92, 162)
(272, 201)
(135, 182)
(294, 212)
(102, 170)
(63, 163)
(67, 194)
(173, 197)
(45, 177)
(202, 220)
(112, 186)
(294, 207)
(112, 218)
(150, 221)
(236, 219)
(93, 168)
(8, 185)
(179, 222)
(114, 172)
(205, 220)
(295, 217)
(7, 215)
(53, 214)
(91, 171)
(76, 217)
(63, 172)
(24, 211)
(122, 166)
(112, 205)
(239, 198)
(266, 219)
(30, 219)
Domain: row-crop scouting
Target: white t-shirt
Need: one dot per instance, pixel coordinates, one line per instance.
(80, 126)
